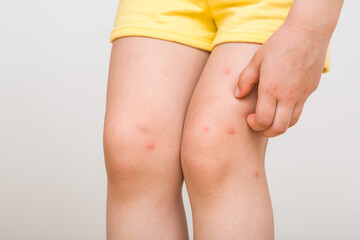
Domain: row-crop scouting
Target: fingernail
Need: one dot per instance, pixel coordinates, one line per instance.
(237, 92)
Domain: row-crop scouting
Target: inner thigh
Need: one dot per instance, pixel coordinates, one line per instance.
(149, 86)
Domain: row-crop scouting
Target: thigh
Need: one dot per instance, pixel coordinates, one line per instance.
(218, 116)
(149, 86)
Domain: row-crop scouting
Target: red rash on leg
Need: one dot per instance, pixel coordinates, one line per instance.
(231, 131)
(256, 174)
(227, 71)
(150, 145)
(206, 128)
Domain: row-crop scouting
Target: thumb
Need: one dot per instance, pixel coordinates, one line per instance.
(249, 76)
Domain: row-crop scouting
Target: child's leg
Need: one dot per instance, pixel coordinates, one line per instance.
(150, 84)
(222, 158)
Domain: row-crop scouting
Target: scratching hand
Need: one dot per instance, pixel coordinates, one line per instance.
(287, 69)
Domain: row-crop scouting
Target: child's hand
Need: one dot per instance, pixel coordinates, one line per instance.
(288, 69)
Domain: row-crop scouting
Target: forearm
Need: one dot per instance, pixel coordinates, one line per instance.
(319, 16)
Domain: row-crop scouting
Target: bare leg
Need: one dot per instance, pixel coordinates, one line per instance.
(150, 84)
(222, 158)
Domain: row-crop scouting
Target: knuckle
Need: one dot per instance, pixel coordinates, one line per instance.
(270, 89)
(246, 76)
(291, 95)
(242, 77)
(280, 129)
(264, 121)
(313, 88)
(293, 122)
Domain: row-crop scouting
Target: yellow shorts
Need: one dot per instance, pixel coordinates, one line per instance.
(202, 23)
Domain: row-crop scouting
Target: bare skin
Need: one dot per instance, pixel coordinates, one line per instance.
(149, 88)
(222, 158)
(143, 143)
(169, 118)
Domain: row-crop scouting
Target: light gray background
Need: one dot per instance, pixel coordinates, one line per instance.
(54, 59)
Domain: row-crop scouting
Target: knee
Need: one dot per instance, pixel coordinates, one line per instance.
(133, 149)
(204, 158)
(213, 151)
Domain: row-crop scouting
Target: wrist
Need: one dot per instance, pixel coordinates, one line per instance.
(316, 17)
(316, 33)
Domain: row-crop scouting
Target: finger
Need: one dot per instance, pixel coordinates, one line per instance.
(281, 121)
(264, 112)
(296, 113)
(249, 76)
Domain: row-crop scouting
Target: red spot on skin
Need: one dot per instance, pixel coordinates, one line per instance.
(231, 131)
(206, 128)
(227, 71)
(256, 174)
(150, 145)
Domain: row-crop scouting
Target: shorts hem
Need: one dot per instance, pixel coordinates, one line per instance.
(250, 37)
(161, 34)
(254, 37)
